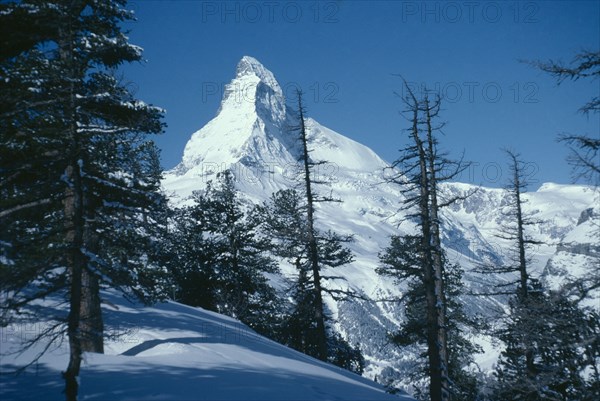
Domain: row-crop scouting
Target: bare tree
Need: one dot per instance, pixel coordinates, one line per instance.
(307, 164)
(418, 172)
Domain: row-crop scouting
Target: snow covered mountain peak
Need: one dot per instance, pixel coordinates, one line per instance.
(252, 136)
(251, 66)
(254, 86)
(248, 125)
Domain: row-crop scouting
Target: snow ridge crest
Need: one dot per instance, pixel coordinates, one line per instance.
(254, 90)
(251, 66)
(250, 124)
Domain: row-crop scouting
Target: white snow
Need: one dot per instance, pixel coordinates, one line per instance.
(171, 351)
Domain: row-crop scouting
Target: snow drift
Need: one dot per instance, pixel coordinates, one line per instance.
(171, 351)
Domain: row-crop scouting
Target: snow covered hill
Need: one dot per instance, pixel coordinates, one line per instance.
(251, 136)
(174, 352)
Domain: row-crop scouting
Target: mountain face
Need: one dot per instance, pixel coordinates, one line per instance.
(577, 255)
(251, 136)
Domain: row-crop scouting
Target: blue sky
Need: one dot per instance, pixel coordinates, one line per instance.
(345, 54)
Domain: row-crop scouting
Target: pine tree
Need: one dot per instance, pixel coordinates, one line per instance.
(286, 222)
(30, 163)
(79, 178)
(284, 216)
(313, 252)
(224, 259)
(515, 230)
(308, 250)
(402, 261)
(546, 335)
(418, 171)
(189, 261)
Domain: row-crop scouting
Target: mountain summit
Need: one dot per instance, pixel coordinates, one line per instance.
(250, 120)
(251, 66)
(252, 135)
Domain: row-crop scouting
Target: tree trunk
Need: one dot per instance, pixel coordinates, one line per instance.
(523, 275)
(313, 249)
(73, 207)
(436, 329)
(92, 326)
(76, 264)
(524, 278)
(436, 246)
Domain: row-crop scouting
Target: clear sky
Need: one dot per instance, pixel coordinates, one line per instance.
(345, 54)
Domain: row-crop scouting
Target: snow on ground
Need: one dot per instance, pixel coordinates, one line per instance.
(171, 351)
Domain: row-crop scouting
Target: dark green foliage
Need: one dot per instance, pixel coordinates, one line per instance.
(222, 259)
(79, 206)
(298, 329)
(62, 106)
(285, 222)
(464, 384)
(560, 336)
(344, 355)
(189, 262)
(402, 261)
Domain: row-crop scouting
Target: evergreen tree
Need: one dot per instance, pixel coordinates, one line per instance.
(515, 229)
(79, 179)
(286, 222)
(320, 339)
(418, 171)
(344, 355)
(223, 260)
(189, 262)
(403, 261)
(547, 336)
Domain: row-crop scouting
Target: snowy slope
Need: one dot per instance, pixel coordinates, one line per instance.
(577, 255)
(174, 352)
(251, 135)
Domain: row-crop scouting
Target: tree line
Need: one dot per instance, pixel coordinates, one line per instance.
(81, 209)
